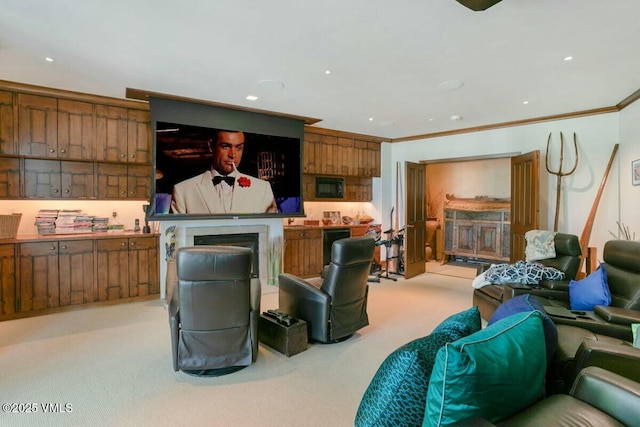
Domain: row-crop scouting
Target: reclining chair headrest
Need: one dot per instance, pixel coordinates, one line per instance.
(352, 250)
(214, 263)
(567, 244)
(624, 254)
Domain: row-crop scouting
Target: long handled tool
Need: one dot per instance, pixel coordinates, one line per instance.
(586, 233)
(559, 172)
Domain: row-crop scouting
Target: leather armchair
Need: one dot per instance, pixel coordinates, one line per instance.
(597, 397)
(334, 306)
(567, 260)
(214, 311)
(622, 265)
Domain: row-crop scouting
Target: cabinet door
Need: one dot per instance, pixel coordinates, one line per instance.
(111, 133)
(138, 182)
(37, 125)
(143, 266)
(489, 240)
(7, 279)
(303, 252)
(75, 264)
(113, 269)
(77, 180)
(373, 162)
(464, 237)
(311, 153)
(7, 141)
(139, 136)
(112, 181)
(9, 177)
(42, 178)
(39, 285)
(330, 156)
(75, 130)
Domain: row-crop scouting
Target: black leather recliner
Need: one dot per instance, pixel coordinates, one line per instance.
(567, 260)
(334, 306)
(214, 311)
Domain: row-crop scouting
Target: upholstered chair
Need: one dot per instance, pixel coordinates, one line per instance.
(335, 305)
(214, 311)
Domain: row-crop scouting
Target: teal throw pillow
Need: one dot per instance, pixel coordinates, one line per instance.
(397, 393)
(528, 302)
(593, 290)
(491, 374)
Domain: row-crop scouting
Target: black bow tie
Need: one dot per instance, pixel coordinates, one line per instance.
(228, 179)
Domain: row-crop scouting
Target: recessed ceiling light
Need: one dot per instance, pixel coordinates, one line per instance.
(271, 84)
(525, 102)
(327, 72)
(252, 97)
(456, 117)
(450, 85)
(370, 119)
(568, 58)
(48, 59)
(430, 119)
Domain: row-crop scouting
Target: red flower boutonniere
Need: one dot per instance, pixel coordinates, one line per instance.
(244, 182)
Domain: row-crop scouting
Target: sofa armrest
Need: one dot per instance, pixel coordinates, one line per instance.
(301, 299)
(555, 285)
(622, 359)
(174, 326)
(622, 394)
(621, 316)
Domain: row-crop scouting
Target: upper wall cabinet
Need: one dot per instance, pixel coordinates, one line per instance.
(332, 153)
(7, 143)
(123, 135)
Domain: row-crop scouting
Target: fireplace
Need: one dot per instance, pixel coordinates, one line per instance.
(246, 240)
(253, 236)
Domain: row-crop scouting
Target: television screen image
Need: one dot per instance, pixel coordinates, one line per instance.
(209, 171)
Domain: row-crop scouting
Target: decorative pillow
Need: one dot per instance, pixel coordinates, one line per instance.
(523, 272)
(524, 303)
(593, 290)
(491, 374)
(636, 335)
(540, 245)
(398, 391)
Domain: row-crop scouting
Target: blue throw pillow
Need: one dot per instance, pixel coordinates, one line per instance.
(593, 290)
(526, 302)
(491, 374)
(397, 394)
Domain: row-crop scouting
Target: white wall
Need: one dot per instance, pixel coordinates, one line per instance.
(596, 136)
(629, 151)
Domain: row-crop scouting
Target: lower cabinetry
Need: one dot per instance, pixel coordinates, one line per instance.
(303, 252)
(477, 234)
(38, 277)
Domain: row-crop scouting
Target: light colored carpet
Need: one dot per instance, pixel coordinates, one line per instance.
(112, 365)
(435, 267)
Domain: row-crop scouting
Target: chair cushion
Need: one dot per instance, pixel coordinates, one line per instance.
(540, 245)
(593, 290)
(524, 303)
(396, 396)
(522, 272)
(491, 374)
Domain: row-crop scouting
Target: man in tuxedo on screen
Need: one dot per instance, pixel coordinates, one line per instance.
(223, 189)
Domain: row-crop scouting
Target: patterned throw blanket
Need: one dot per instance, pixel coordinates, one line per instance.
(522, 272)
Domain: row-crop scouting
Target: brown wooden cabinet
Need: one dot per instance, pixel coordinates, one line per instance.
(118, 181)
(7, 141)
(54, 179)
(336, 153)
(127, 267)
(7, 279)
(123, 134)
(37, 125)
(9, 177)
(76, 132)
(477, 234)
(55, 274)
(303, 252)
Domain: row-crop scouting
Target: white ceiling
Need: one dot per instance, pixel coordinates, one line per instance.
(386, 57)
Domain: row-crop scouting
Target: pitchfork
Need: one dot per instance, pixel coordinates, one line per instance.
(559, 172)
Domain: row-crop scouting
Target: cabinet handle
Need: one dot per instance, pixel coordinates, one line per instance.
(66, 190)
(51, 150)
(133, 243)
(123, 244)
(53, 248)
(122, 192)
(122, 156)
(133, 156)
(55, 190)
(63, 151)
(64, 247)
(132, 192)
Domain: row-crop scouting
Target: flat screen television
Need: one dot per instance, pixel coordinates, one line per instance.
(184, 147)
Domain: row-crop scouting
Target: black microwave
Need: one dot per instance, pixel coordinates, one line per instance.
(329, 188)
